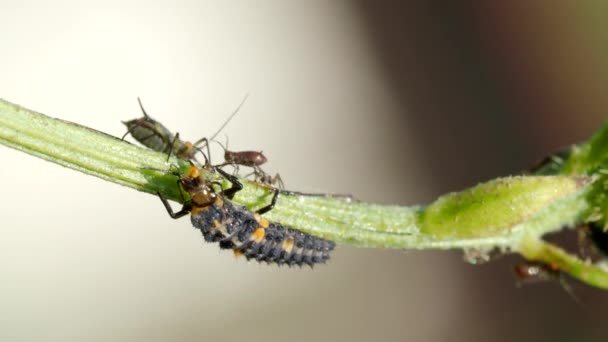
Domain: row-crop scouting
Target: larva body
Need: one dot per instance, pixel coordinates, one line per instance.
(246, 233)
(254, 237)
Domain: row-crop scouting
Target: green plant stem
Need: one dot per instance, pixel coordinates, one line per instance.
(86, 150)
(535, 249)
(338, 219)
(501, 213)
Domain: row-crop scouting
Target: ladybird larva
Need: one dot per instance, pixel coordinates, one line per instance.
(251, 236)
(246, 233)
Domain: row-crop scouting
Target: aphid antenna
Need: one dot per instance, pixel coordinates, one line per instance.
(229, 118)
(224, 147)
(206, 141)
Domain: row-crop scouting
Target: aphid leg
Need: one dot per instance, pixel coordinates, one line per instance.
(271, 205)
(277, 180)
(569, 290)
(259, 175)
(255, 177)
(235, 166)
(208, 155)
(236, 184)
(207, 163)
(128, 132)
(183, 212)
(175, 138)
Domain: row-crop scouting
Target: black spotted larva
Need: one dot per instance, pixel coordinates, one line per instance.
(246, 233)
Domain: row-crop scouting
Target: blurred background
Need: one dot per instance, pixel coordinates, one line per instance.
(395, 103)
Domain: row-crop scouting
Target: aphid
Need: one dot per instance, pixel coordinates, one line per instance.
(252, 159)
(156, 136)
(246, 233)
(245, 158)
(536, 272)
(149, 132)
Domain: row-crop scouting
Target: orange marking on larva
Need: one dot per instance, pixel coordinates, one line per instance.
(264, 223)
(258, 234)
(237, 252)
(193, 172)
(288, 245)
(217, 223)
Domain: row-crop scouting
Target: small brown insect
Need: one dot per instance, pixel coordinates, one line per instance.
(536, 272)
(245, 158)
(252, 159)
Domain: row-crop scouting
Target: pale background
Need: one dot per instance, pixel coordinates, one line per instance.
(394, 104)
